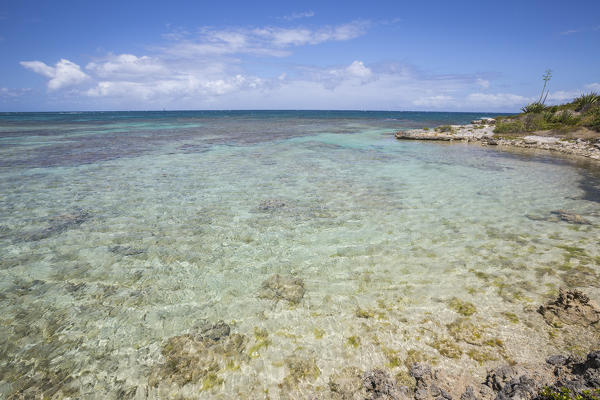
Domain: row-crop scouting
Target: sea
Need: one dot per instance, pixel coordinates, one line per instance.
(261, 254)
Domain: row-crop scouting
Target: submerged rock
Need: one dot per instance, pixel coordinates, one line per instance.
(58, 224)
(126, 250)
(572, 307)
(570, 217)
(271, 205)
(198, 357)
(280, 287)
(347, 384)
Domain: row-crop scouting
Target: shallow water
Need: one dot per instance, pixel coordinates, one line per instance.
(120, 231)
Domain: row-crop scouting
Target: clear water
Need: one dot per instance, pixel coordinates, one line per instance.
(119, 231)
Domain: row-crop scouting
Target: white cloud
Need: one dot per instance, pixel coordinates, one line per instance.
(593, 86)
(126, 65)
(266, 41)
(167, 90)
(65, 73)
(483, 83)
(293, 16)
(561, 96)
(358, 69)
(7, 92)
(437, 101)
(496, 100)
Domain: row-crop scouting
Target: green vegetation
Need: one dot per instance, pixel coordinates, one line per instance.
(533, 108)
(586, 100)
(566, 394)
(444, 128)
(447, 348)
(581, 113)
(509, 127)
(353, 341)
(462, 307)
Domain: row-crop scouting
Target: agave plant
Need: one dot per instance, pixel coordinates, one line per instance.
(533, 108)
(586, 100)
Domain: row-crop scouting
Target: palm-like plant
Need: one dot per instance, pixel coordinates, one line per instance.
(586, 100)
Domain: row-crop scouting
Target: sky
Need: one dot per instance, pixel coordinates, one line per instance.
(474, 55)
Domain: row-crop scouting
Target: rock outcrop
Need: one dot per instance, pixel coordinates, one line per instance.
(572, 307)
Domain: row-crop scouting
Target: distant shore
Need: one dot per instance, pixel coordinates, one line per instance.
(482, 132)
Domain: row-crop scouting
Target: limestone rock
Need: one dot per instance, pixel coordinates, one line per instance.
(279, 287)
(379, 385)
(572, 307)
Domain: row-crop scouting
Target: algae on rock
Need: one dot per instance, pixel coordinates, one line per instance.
(279, 287)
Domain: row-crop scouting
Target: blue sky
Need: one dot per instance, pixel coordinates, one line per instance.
(379, 55)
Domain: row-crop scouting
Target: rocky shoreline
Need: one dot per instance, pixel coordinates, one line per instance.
(482, 131)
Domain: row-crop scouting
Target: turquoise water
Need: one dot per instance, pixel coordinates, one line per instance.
(122, 231)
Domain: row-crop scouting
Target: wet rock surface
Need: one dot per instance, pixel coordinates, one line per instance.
(279, 287)
(379, 385)
(572, 307)
(353, 384)
(561, 377)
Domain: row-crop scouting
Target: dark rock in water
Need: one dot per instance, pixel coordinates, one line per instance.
(58, 225)
(214, 332)
(557, 360)
(271, 205)
(126, 250)
(379, 385)
(572, 307)
(519, 388)
(280, 287)
(25, 288)
(74, 287)
(491, 141)
(570, 217)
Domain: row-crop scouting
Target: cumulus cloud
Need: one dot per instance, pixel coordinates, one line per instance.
(211, 70)
(64, 73)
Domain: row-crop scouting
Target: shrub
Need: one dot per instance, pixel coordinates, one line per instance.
(585, 101)
(565, 117)
(533, 108)
(509, 127)
(593, 120)
(548, 116)
(536, 122)
(444, 128)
